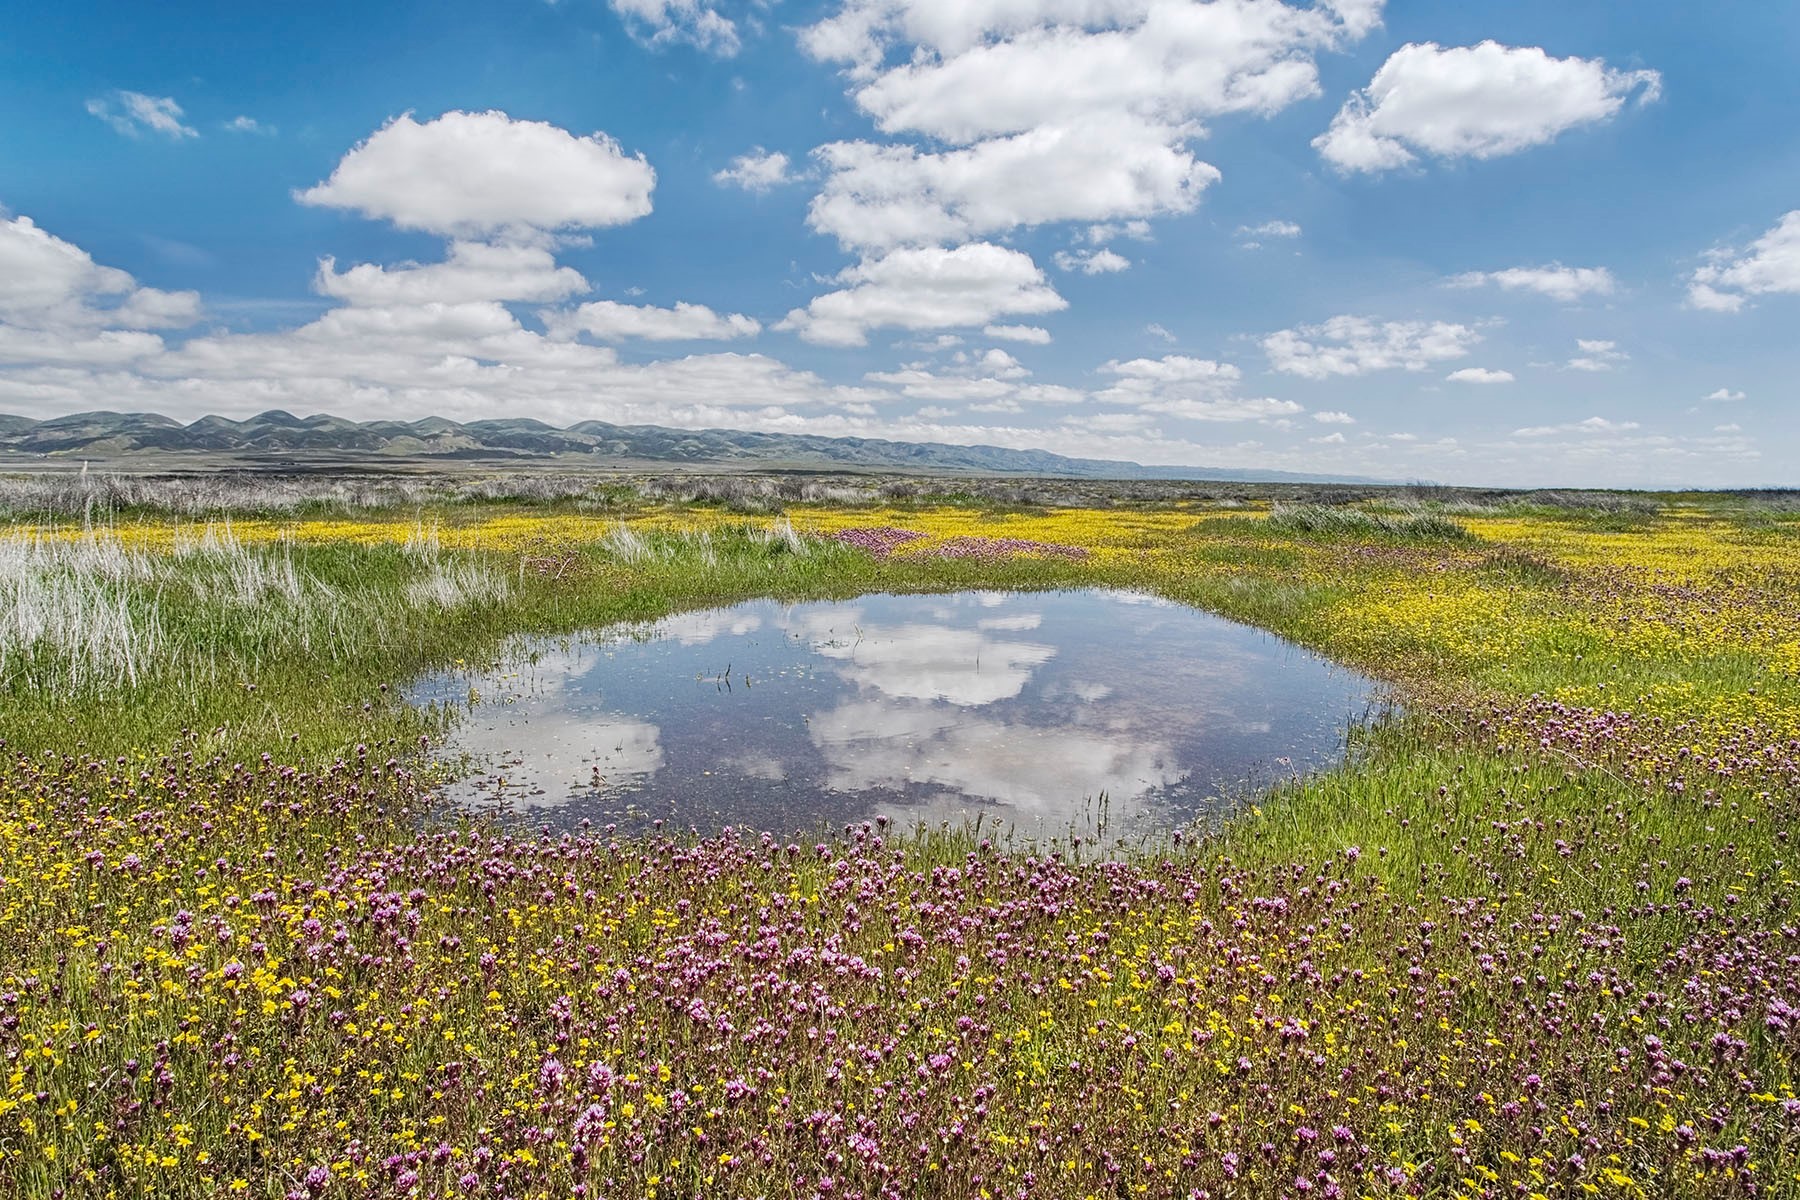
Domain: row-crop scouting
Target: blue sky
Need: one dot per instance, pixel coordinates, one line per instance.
(1528, 243)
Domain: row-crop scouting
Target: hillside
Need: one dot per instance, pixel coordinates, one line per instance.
(280, 438)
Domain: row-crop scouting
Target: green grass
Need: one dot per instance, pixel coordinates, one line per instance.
(1472, 901)
(1337, 522)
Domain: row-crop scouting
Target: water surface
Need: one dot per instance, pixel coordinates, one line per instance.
(1032, 706)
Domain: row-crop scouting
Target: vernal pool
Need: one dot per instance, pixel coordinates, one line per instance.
(1031, 706)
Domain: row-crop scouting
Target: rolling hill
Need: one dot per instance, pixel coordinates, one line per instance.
(280, 439)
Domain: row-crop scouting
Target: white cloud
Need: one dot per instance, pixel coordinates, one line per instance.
(925, 288)
(1104, 232)
(1223, 408)
(1175, 386)
(243, 124)
(1334, 417)
(1473, 102)
(1596, 355)
(758, 171)
(1252, 235)
(1567, 284)
(1100, 166)
(472, 359)
(1593, 425)
(1348, 345)
(989, 382)
(1059, 110)
(1191, 389)
(1031, 334)
(134, 114)
(612, 322)
(1160, 333)
(1769, 266)
(1091, 262)
(52, 350)
(1176, 368)
(1723, 396)
(934, 345)
(484, 174)
(1732, 428)
(412, 341)
(660, 22)
(1330, 439)
(1479, 375)
(47, 283)
(473, 271)
(977, 70)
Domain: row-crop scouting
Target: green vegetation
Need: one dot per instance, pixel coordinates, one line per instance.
(1534, 938)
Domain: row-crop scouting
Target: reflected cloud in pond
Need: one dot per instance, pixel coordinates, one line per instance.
(1029, 706)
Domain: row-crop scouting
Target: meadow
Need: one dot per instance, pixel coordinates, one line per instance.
(1535, 938)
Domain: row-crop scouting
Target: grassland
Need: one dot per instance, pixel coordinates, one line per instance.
(1536, 938)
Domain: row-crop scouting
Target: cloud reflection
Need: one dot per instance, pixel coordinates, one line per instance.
(964, 667)
(1028, 705)
(1040, 770)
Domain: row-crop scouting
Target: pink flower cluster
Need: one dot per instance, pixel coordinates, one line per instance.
(885, 540)
(192, 952)
(990, 549)
(879, 540)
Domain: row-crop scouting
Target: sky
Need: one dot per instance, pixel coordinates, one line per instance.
(1520, 244)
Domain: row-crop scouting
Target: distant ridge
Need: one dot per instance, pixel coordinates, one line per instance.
(280, 438)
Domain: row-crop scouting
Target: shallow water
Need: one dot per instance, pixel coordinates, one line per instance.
(1045, 710)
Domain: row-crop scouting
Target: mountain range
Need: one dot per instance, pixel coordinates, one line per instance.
(280, 439)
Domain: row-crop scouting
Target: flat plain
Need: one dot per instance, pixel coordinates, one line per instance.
(1535, 937)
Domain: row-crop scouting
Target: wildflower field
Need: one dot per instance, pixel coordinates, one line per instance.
(1536, 938)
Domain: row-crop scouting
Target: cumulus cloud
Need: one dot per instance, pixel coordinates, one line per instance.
(49, 284)
(135, 114)
(1032, 334)
(613, 322)
(1473, 102)
(1593, 425)
(1722, 396)
(1177, 387)
(974, 70)
(485, 174)
(1192, 389)
(412, 356)
(993, 381)
(1348, 345)
(1099, 166)
(926, 287)
(1105, 231)
(1596, 355)
(1005, 115)
(758, 171)
(1251, 237)
(407, 341)
(472, 271)
(1567, 284)
(1479, 375)
(1091, 262)
(695, 22)
(242, 124)
(1770, 265)
(1177, 368)
(1334, 417)
(1269, 229)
